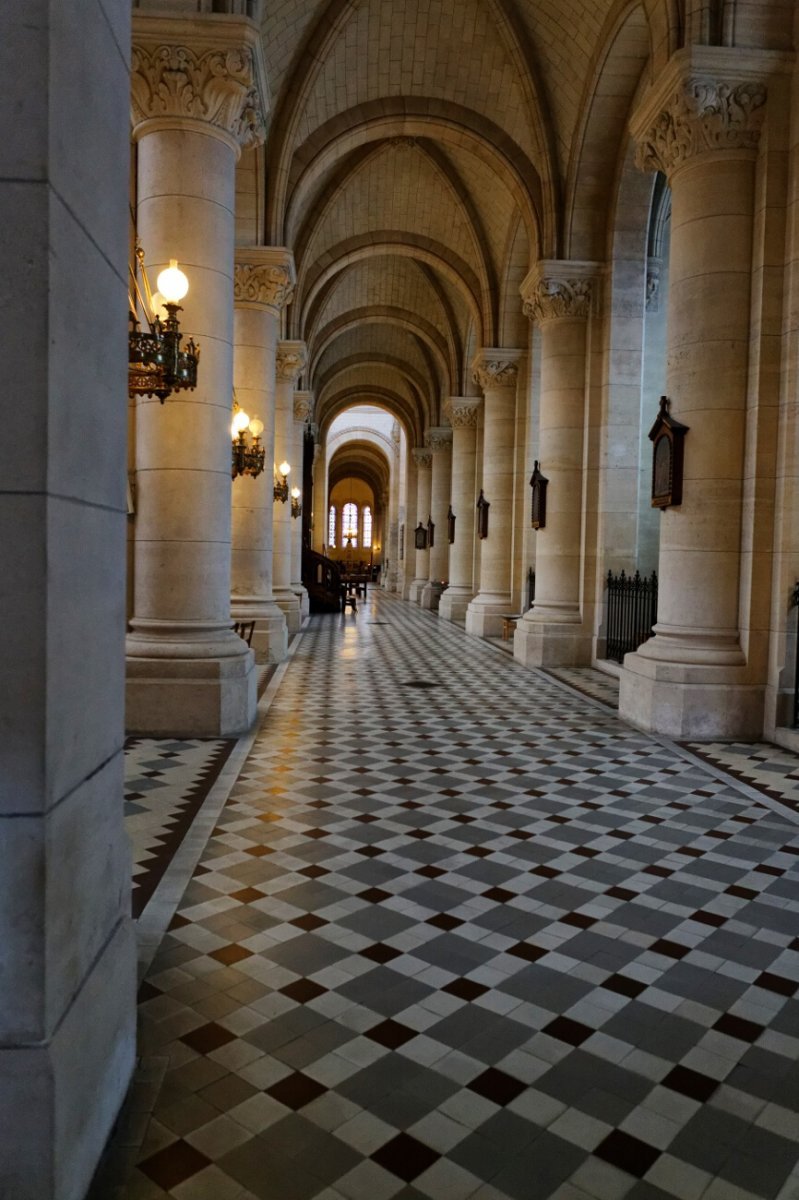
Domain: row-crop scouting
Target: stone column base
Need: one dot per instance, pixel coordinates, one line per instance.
(59, 1100)
(270, 638)
(415, 590)
(430, 596)
(289, 605)
(454, 603)
(689, 702)
(550, 644)
(484, 615)
(190, 697)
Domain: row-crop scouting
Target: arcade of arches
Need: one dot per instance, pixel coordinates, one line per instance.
(430, 244)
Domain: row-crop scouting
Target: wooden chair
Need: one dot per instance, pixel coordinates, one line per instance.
(245, 630)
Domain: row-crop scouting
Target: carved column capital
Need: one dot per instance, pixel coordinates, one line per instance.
(463, 411)
(707, 99)
(303, 406)
(556, 289)
(264, 277)
(196, 69)
(439, 438)
(291, 360)
(702, 115)
(496, 368)
(423, 458)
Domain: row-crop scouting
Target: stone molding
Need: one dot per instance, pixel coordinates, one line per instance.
(303, 406)
(700, 116)
(464, 411)
(199, 70)
(264, 277)
(423, 458)
(439, 438)
(496, 368)
(395, 433)
(653, 269)
(290, 361)
(560, 289)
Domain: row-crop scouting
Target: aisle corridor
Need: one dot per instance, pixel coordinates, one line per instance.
(460, 932)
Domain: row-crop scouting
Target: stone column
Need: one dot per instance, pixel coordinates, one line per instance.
(292, 358)
(497, 373)
(67, 964)
(197, 99)
(423, 458)
(692, 679)
(263, 283)
(557, 296)
(463, 412)
(440, 442)
(320, 503)
(303, 411)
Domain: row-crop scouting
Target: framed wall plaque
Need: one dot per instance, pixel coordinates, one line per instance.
(538, 483)
(667, 436)
(451, 518)
(483, 506)
(420, 537)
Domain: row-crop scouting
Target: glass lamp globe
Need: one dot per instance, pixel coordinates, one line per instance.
(256, 427)
(172, 283)
(157, 308)
(284, 469)
(240, 422)
(296, 493)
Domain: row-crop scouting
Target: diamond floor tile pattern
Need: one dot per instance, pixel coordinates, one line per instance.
(476, 940)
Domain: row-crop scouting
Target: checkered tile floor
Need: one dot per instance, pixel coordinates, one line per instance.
(166, 782)
(461, 934)
(593, 683)
(768, 768)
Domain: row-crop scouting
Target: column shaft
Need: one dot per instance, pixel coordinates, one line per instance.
(558, 298)
(463, 412)
(497, 372)
(692, 677)
(423, 460)
(291, 360)
(68, 959)
(263, 282)
(440, 442)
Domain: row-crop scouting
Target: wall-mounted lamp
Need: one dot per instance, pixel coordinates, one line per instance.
(156, 364)
(296, 504)
(248, 457)
(281, 488)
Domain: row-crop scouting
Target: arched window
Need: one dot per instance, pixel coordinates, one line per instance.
(367, 527)
(349, 524)
(331, 527)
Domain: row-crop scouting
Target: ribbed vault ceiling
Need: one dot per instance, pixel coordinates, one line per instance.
(422, 155)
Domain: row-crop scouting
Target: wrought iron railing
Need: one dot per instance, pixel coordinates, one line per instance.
(632, 608)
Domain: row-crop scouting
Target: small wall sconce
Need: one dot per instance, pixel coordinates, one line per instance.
(281, 487)
(431, 533)
(483, 506)
(296, 503)
(156, 364)
(248, 458)
(451, 519)
(420, 537)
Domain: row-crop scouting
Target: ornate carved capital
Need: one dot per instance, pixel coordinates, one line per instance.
(439, 438)
(195, 69)
(291, 360)
(552, 299)
(464, 411)
(700, 115)
(423, 458)
(303, 406)
(496, 368)
(264, 277)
